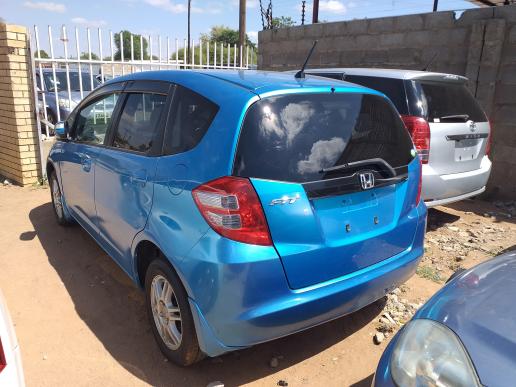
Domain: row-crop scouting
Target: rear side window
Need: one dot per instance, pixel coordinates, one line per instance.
(293, 137)
(444, 99)
(139, 121)
(191, 118)
(391, 87)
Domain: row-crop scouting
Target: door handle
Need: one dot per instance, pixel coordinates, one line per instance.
(139, 178)
(86, 163)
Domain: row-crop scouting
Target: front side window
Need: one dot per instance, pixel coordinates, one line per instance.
(139, 121)
(94, 119)
(296, 137)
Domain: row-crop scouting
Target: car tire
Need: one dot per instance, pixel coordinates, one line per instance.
(58, 202)
(169, 314)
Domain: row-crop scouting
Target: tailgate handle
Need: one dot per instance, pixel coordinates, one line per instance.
(472, 136)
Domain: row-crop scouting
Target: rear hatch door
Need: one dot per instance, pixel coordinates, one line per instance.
(459, 128)
(336, 174)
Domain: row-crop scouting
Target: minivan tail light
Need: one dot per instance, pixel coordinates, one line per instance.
(419, 130)
(489, 140)
(3, 362)
(231, 207)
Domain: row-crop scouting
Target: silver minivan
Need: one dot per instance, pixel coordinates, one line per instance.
(450, 130)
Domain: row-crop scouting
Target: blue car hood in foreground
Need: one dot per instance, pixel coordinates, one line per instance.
(480, 307)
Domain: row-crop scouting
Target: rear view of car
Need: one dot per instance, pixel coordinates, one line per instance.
(449, 128)
(262, 205)
(331, 171)
(320, 215)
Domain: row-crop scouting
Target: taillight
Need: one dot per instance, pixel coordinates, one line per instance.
(489, 140)
(420, 184)
(419, 130)
(231, 207)
(3, 362)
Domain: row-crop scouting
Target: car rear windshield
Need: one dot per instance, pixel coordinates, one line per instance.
(446, 99)
(293, 137)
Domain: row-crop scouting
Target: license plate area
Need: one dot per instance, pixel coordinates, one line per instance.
(467, 149)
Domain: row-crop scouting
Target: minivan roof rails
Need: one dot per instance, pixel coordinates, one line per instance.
(301, 73)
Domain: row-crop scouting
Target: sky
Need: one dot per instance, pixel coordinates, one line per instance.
(169, 17)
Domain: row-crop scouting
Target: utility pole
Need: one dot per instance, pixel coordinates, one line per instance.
(436, 3)
(315, 13)
(241, 31)
(262, 12)
(187, 59)
(303, 4)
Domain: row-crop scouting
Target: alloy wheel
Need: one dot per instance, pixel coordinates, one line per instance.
(166, 312)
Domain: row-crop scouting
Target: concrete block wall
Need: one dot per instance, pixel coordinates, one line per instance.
(19, 143)
(480, 44)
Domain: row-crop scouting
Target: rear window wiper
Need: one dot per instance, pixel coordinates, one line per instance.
(454, 117)
(354, 164)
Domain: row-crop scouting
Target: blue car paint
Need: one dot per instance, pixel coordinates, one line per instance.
(478, 305)
(239, 293)
(312, 244)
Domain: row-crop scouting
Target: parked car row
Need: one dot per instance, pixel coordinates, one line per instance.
(253, 205)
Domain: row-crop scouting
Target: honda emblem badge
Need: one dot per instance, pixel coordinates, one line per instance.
(366, 180)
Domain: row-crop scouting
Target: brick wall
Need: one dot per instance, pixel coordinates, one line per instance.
(19, 144)
(480, 44)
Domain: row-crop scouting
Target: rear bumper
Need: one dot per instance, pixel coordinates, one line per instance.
(445, 189)
(254, 304)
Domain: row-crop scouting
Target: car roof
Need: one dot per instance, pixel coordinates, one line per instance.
(392, 73)
(258, 82)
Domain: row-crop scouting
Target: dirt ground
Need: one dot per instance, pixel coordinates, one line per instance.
(81, 322)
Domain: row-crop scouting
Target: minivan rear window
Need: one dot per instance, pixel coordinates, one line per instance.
(293, 137)
(446, 99)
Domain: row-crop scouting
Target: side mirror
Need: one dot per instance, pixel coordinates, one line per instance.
(61, 131)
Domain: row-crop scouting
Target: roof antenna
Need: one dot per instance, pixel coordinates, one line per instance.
(301, 73)
(429, 62)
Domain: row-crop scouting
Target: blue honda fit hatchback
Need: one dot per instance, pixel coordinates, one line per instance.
(248, 205)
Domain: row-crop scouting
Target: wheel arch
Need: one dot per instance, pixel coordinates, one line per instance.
(50, 168)
(145, 250)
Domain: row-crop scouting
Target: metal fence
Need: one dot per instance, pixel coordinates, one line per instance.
(62, 78)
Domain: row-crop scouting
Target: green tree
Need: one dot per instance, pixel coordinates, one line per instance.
(86, 56)
(42, 54)
(126, 36)
(282, 22)
(226, 35)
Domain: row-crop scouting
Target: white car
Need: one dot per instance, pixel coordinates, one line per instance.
(11, 370)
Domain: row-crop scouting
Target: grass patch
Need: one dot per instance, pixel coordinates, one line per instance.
(429, 273)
